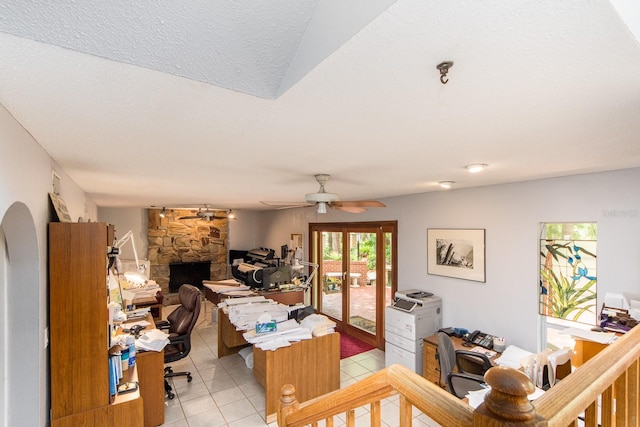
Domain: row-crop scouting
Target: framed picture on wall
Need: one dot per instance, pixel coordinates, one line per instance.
(457, 253)
(60, 208)
(296, 239)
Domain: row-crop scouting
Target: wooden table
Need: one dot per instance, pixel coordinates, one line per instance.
(312, 366)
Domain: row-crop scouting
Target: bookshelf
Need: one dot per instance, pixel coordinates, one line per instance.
(79, 331)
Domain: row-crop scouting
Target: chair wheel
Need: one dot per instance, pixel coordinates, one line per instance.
(170, 395)
(189, 378)
(168, 370)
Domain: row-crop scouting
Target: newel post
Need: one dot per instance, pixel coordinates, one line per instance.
(288, 403)
(507, 404)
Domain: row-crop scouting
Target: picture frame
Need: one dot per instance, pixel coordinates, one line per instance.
(457, 253)
(296, 239)
(60, 208)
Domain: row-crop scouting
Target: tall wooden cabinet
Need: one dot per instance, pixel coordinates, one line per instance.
(79, 330)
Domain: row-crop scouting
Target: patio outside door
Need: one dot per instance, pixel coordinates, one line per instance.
(357, 266)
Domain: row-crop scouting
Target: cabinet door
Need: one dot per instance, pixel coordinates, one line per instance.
(78, 317)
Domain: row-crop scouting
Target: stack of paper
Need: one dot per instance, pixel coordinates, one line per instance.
(513, 357)
(153, 340)
(599, 337)
(482, 350)
(476, 397)
(245, 316)
(318, 324)
(137, 313)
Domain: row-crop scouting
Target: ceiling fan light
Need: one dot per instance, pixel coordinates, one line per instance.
(476, 167)
(446, 184)
(322, 207)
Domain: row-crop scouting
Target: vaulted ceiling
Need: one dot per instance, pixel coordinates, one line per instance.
(230, 103)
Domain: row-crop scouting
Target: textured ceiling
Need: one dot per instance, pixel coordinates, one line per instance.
(157, 103)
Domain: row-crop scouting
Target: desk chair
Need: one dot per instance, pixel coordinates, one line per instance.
(460, 382)
(179, 325)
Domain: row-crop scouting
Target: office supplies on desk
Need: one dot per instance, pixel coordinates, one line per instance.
(599, 337)
(512, 357)
(480, 338)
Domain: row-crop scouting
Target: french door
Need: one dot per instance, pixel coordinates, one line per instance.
(356, 275)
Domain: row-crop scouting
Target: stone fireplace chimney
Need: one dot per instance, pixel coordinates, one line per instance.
(174, 241)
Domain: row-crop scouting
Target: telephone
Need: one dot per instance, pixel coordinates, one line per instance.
(481, 339)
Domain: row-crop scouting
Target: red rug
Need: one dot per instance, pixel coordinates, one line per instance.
(350, 346)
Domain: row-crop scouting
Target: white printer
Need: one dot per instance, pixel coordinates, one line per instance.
(412, 315)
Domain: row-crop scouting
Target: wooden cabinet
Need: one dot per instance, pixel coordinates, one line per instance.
(430, 364)
(79, 332)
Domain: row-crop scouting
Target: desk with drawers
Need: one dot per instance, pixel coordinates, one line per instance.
(311, 366)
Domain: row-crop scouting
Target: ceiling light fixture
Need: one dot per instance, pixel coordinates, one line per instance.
(475, 168)
(322, 207)
(163, 212)
(231, 215)
(446, 184)
(444, 69)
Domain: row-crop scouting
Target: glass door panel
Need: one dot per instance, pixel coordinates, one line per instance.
(362, 270)
(388, 268)
(332, 274)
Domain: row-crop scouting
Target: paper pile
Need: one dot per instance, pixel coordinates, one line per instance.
(476, 397)
(513, 357)
(153, 340)
(318, 324)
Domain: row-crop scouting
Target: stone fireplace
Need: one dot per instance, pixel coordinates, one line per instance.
(193, 242)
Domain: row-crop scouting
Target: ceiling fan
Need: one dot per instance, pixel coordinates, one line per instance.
(322, 199)
(206, 214)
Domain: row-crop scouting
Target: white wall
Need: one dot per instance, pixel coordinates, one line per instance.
(511, 215)
(244, 231)
(124, 220)
(25, 181)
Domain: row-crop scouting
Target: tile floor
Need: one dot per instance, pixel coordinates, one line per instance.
(224, 392)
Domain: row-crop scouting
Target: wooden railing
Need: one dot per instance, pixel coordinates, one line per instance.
(602, 392)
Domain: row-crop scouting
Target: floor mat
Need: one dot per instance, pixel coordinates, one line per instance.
(350, 346)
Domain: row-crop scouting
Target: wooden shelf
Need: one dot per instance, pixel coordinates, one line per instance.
(79, 344)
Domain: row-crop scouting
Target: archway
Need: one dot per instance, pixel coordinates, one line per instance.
(19, 318)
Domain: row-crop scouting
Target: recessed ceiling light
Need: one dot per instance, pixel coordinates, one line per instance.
(446, 184)
(475, 168)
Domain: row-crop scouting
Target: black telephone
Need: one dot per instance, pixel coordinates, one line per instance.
(481, 339)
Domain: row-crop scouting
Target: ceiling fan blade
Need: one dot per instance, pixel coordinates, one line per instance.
(287, 205)
(189, 217)
(350, 209)
(359, 204)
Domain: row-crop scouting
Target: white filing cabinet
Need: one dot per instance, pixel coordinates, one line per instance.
(404, 332)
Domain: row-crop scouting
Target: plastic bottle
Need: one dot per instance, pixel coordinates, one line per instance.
(131, 344)
(124, 358)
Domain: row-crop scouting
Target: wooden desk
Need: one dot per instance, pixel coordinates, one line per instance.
(150, 367)
(312, 366)
(431, 366)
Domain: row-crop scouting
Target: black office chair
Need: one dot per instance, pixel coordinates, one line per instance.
(460, 381)
(179, 325)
